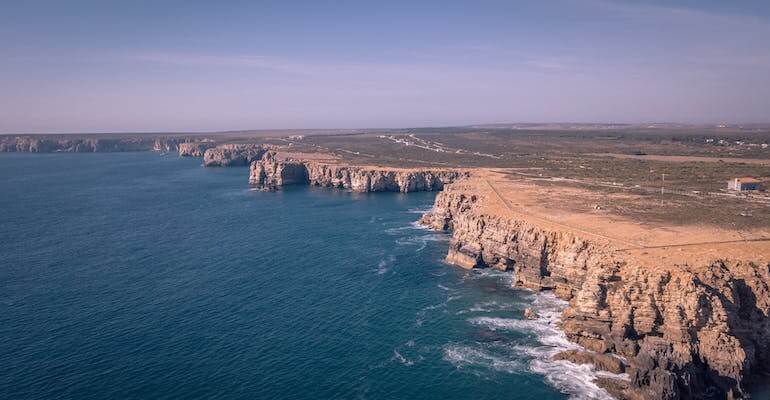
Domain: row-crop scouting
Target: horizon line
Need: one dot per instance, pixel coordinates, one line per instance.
(651, 125)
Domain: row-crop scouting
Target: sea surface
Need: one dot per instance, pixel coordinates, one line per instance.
(141, 276)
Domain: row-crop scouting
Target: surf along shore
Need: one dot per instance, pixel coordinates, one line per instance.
(669, 311)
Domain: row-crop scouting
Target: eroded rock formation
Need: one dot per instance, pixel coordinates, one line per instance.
(194, 149)
(271, 173)
(51, 144)
(233, 155)
(682, 331)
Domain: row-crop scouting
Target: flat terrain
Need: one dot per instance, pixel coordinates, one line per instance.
(658, 195)
(644, 187)
(648, 241)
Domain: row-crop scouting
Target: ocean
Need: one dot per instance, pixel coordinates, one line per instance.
(141, 276)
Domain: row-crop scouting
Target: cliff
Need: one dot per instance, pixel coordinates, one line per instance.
(51, 144)
(681, 331)
(194, 149)
(233, 155)
(270, 173)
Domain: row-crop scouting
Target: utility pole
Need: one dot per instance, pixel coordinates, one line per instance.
(663, 183)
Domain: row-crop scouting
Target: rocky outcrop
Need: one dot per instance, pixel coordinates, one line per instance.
(271, 173)
(603, 362)
(681, 331)
(166, 145)
(194, 149)
(233, 155)
(62, 143)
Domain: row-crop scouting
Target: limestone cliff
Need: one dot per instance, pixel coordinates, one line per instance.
(194, 149)
(166, 145)
(233, 155)
(87, 144)
(271, 173)
(699, 331)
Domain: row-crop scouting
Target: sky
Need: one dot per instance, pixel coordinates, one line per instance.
(186, 65)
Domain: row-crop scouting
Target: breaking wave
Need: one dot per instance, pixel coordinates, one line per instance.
(466, 356)
(488, 307)
(575, 380)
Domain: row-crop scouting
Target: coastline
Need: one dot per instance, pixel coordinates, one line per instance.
(589, 272)
(679, 330)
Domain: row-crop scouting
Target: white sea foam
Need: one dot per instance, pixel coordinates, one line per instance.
(417, 225)
(466, 356)
(420, 317)
(487, 273)
(575, 380)
(420, 210)
(403, 360)
(398, 230)
(421, 240)
(488, 306)
(382, 267)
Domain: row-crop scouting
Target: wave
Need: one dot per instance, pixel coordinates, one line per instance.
(407, 348)
(421, 241)
(575, 380)
(382, 266)
(398, 230)
(417, 225)
(466, 356)
(403, 360)
(420, 317)
(444, 288)
(484, 273)
(420, 210)
(488, 306)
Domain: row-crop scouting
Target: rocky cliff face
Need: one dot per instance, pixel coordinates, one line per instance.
(233, 155)
(194, 149)
(271, 173)
(50, 144)
(166, 145)
(681, 331)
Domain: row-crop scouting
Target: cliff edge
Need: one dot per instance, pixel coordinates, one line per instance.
(687, 326)
(272, 172)
(233, 155)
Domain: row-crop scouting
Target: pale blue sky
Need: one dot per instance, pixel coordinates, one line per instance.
(96, 66)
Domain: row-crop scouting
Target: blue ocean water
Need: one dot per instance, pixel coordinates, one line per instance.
(139, 276)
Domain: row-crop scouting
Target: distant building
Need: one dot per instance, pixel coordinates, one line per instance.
(745, 183)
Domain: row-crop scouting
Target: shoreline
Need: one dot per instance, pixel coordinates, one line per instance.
(667, 322)
(597, 283)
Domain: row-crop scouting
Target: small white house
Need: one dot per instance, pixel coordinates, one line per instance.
(742, 184)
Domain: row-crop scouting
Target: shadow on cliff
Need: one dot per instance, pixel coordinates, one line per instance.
(748, 321)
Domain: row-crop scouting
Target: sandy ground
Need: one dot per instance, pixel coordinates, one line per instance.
(573, 209)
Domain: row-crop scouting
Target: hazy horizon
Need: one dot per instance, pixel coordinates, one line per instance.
(332, 130)
(93, 67)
